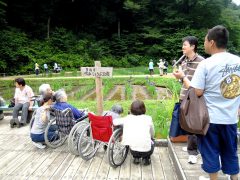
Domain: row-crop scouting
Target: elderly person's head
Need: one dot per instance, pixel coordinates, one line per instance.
(44, 89)
(117, 109)
(138, 108)
(60, 96)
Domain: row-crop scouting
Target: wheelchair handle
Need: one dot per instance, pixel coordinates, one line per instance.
(66, 111)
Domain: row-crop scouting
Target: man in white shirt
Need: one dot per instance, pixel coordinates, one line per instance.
(23, 94)
(218, 79)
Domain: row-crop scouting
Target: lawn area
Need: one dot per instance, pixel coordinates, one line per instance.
(159, 109)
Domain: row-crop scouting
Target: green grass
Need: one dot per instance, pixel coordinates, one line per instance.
(160, 111)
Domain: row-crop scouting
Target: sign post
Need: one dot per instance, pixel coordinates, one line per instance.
(98, 72)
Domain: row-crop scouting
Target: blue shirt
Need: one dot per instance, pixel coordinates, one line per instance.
(219, 77)
(150, 65)
(63, 105)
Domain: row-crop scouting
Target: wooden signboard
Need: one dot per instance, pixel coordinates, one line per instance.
(98, 72)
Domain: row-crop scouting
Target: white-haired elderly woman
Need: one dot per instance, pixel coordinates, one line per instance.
(61, 104)
(115, 111)
(44, 89)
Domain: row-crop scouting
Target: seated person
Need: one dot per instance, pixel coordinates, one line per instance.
(60, 97)
(115, 111)
(2, 103)
(40, 123)
(138, 132)
(23, 95)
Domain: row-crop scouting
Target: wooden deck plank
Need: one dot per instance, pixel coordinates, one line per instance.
(125, 171)
(21, 160)
(94, 167)
(54, 166)
(167, 167)
(14, 164)
(63, 167)
(45, 164)
(103, 168)
(135, 170)
(157, 169)
(82, 170)
(28, 163)
(113, 173)
(71, 171)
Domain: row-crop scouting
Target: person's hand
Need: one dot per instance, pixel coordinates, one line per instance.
(178, 74)
(30, 108)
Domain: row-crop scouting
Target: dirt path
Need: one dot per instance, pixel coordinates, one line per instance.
(163, 93)
(117, 93)
(91, 95)
(139, 92)
(73, 91)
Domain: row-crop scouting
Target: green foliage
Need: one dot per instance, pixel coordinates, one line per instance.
(118, 33)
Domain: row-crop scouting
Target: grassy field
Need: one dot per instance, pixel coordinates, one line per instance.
(160, 110)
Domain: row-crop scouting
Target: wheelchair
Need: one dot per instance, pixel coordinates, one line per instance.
(100, 132)
(59, 128)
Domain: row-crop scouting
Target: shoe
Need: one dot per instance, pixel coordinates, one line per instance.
(12, 123)
(146, 162)
(136, 160)
(20, 124)
(39, 145)
(184, 148)
(192, 159)
(203, 178)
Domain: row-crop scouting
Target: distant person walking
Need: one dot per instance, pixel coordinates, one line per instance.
(165, 67)
(150, 67)
(161, 67)
(45, 66)
(36, 69)
(55, 67)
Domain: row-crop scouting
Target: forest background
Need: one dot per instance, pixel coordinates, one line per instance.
(119, 33)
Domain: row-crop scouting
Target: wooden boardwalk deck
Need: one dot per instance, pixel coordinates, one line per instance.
(184, 170)
(19, 159)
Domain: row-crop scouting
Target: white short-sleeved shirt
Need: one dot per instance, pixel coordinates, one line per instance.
(137, 131)
(219, 77)
(23, 96)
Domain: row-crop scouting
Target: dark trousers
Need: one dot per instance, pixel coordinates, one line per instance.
(21, 107)
(192, 147)
(144, 155)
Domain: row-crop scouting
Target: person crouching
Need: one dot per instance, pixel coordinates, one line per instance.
(138, 132)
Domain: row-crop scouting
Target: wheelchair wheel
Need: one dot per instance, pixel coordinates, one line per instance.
(74, 136)
(55, 138)
(87, 146)
(32, 120)
(116, 152)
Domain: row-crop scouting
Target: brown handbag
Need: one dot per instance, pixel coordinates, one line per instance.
(194, 116)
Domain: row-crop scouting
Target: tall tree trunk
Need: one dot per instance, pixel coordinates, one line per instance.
(48, 27)
(119, 28)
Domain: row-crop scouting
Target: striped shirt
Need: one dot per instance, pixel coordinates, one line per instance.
(189, 67)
